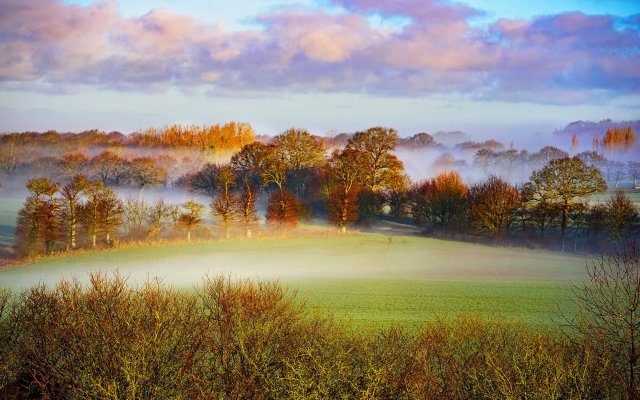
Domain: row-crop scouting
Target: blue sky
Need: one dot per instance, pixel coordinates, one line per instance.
(485, 67)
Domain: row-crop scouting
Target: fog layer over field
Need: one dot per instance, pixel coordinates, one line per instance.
(369, 256)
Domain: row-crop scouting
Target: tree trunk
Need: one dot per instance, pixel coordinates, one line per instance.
(188, 235)
(565, 219)
(73, 227)
(93, 240)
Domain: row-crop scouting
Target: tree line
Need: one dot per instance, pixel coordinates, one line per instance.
(218, 137)
(358, 183)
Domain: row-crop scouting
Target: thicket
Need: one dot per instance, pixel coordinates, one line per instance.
(244, 340)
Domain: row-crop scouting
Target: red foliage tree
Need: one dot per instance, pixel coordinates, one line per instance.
(283, 209)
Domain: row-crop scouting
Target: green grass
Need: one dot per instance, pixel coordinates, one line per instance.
(366, 278)
(413, 302)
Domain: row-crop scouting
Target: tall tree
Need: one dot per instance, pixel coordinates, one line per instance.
(380, 167)
(111, 213)
(251, 161)
(301, 155)
(247, 205)
(537, 208)
(71, 193)
(224, 205)
(346, 175)
(158, 213)
(91, 209)
(619, 139)
(38, 220)
(274, 172)
(566, 179)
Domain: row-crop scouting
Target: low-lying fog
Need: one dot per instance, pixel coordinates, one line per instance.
(367, 256)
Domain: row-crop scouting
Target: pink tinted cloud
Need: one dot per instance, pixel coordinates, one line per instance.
(561, 58)
(425, 10)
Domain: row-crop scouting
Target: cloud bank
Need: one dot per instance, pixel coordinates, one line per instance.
(572, 58)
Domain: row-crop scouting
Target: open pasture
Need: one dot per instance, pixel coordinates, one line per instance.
(362, 277)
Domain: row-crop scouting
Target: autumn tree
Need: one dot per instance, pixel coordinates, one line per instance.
(619, 139)
(38, 220)
(71, 194)
(346, 175)
(274, 171)
(441, 201)
(157, 213)
(135, 214)
(622, 215)
(380, 168)
(251, 161)
(301, 155)
(283, 209)
(72, 164)
(144, 172)
(493, 203)
(104, 165)
(190, 216)
(204, 181)
(111, 210)
(246, 205)
(90, 211)
(566, 179)
(537, 208)
(224, 205)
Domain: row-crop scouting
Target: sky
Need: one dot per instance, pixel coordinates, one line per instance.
(486, 67)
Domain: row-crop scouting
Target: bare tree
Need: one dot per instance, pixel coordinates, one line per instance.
(609, 312)
(247, 205)
(493, 203)
(621, 215)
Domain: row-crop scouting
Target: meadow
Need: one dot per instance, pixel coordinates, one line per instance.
(362, 277)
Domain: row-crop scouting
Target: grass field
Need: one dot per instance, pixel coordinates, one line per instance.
(366, 278)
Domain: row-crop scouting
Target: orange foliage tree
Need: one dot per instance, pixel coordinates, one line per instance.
(619, 139)
(207, 138)
(440, 202)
